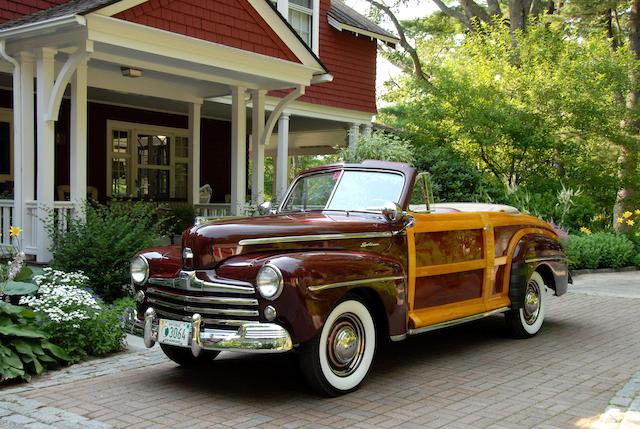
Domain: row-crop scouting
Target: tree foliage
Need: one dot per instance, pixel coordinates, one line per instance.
(539, 113)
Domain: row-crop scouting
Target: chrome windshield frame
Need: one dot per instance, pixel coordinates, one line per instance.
(340, 169)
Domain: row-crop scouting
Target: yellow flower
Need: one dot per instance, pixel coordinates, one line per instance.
(14, 231)
(630, 222)
(585, 230)
(638, 212)
(620, 220)
(627, 214)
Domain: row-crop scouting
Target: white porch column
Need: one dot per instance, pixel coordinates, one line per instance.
(282, 162)
(238, 150)
(194, 152)
(366, 130)
(78, 140)
(23, 143)
(45, 150)
(257, 149)
(352, 135)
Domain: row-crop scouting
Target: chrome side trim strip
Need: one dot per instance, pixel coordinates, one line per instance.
(204, 310)
(549, 258)
(354, 283)
(202, 299)
(315, 237)
(457, 321)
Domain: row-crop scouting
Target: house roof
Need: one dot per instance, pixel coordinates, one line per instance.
(343, 17)
(73, 7)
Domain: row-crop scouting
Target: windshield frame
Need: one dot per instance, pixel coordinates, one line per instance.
(341, 169)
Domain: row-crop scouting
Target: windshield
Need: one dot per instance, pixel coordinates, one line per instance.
(349, 190)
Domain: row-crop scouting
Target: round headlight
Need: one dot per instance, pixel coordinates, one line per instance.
(269, 281)
(139, 270)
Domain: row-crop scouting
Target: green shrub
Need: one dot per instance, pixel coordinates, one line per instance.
(74, 318)
(102, 245)
(599, 250)
(636, 260)
(379, 145)
(24, 347)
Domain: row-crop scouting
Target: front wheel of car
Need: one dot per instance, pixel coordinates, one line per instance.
(525, 322)
(183, 356)
(338, 358)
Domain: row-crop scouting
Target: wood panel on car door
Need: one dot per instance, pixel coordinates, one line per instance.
(450, 267)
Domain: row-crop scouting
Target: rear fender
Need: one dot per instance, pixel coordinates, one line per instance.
(542, 253)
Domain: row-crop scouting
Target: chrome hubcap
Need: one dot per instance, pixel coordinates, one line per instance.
(532, 299)
(345, 345)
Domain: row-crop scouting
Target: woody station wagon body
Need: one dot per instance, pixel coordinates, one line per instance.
(344, 262)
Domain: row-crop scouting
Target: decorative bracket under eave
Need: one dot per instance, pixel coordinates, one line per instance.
(64, 76)
(277, 111)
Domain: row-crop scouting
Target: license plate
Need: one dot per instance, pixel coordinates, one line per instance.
(174, 332)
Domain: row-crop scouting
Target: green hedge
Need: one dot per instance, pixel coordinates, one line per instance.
(600, 250)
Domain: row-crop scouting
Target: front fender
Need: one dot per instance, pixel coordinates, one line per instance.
(315, 281)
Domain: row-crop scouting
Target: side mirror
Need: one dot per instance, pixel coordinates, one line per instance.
(265, 208)
(392, 212)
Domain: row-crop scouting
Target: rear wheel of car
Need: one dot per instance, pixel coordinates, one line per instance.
(525, 322)
(338, 358)
(183, 356)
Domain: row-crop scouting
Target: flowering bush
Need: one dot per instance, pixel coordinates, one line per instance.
(75, 319)
(15, 276)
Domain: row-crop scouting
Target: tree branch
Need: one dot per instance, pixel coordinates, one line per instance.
(453, 13)
(413, 53)
(473, 10)
(494, 7)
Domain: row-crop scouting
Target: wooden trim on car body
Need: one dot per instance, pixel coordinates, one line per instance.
(487, 302)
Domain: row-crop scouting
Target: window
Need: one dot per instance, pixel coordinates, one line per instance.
(6, 145)
(148, 162)
(301, 17)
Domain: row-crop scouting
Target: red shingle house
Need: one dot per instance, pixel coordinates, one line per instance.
(156, 98)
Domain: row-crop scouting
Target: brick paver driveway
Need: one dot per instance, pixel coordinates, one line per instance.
(468, 376)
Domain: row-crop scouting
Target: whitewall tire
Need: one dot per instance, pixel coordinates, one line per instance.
(525, 322)
(338, 358)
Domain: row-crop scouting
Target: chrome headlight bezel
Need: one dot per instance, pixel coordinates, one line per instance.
(139, 270)
(269, 282)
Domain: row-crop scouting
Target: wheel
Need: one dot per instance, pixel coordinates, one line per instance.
(338, 358)
(183, 356)
(525, 322)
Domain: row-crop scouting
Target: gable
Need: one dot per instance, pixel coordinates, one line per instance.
(232, 23)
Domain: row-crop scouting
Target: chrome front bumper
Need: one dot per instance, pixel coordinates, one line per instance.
(250, 337)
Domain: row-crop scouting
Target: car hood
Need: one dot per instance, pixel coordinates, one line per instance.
(215, 241)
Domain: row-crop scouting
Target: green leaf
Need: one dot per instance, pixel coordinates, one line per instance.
(13, 361)
(56, 351)
(20, 331)
(10, 308)
(22, 346)
(17, 288)
(25, 274)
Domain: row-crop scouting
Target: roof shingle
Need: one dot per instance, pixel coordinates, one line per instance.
(73, 7)
(345, 15)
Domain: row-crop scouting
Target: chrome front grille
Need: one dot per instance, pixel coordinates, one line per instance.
(222, 305)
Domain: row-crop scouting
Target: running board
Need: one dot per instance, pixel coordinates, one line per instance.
(457, 321)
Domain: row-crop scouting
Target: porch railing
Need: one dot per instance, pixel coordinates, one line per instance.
(212, 209)
(63, 211)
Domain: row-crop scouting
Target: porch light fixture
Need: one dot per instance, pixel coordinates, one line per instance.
(130, 72)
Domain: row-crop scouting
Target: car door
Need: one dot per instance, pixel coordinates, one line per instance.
(450, 267)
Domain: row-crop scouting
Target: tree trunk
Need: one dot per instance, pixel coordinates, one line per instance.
(518, 10)
(628, 158)
(473, 10)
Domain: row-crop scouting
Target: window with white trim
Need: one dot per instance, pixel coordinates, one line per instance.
(304, 18)
(301, 18)
(148, 162)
